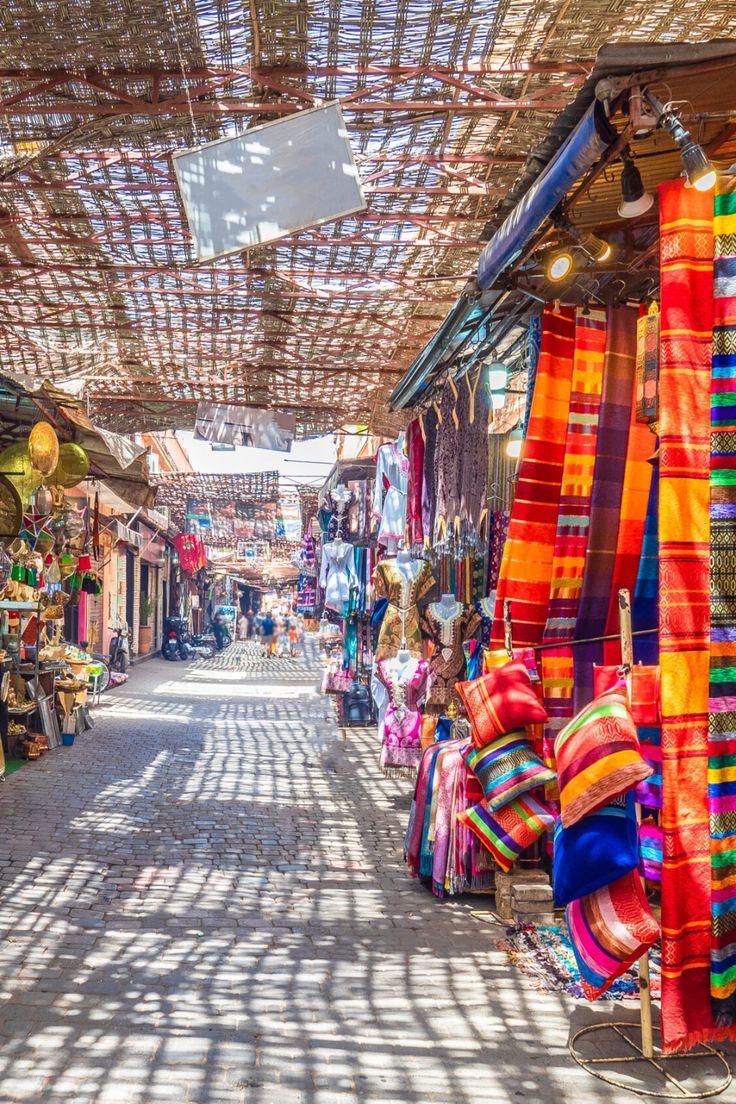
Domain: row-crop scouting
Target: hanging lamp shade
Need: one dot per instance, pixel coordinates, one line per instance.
(15, 465)
(43, 447)
(72, 467)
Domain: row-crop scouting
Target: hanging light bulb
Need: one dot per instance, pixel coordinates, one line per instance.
(700, 171)
(498, 400)
(636, 200)
(559, 265)
(516, 440)
(497, 376)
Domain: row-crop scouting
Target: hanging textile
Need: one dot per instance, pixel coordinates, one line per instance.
(533, 346)
(608, 479)
(526, 568)
(415, 453)
(686, 246)
(573, 520)
(447, 458)
(722, 705)
(430, 429)
(645, 608)
(634, 501)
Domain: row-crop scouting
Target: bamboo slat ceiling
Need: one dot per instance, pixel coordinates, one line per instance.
(444, 100)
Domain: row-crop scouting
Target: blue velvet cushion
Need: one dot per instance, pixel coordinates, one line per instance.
(595, 851)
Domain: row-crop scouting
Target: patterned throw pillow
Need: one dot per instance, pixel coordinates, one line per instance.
(510, 830)
(598, 757)
(596, 851)
(501, 701)
(507, 768)
(610, 929)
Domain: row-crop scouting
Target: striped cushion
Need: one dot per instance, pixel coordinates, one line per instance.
(610, 929)
(596, 851)
(598, 757)
(507, 768)
(508, 831)
(500, 702)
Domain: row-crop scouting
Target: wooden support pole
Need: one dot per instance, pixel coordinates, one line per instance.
(627, 663)
(508, 640)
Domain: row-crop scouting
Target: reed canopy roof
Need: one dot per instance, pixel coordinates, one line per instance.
(445, 104)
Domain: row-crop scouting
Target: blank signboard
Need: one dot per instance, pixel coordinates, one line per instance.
(271, 181)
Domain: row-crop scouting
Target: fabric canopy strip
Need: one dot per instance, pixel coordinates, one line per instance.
(526, 568)
(686, 244)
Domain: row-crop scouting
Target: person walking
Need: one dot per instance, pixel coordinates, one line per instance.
(268, 631)
(250, 618)
(242, 627)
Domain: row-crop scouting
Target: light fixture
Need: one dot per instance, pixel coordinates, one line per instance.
(516, 440)
(497, 376)
(559, 265)
(700, 172)
(498, 400)
(596, 248)
(636, 200)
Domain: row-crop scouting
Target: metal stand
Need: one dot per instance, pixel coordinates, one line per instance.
(639, 1038)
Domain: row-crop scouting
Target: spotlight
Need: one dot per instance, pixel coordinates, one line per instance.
(559, 266)
(516, 440)
(597, 249)
(497, 376)
(700, 172)
(635, 199)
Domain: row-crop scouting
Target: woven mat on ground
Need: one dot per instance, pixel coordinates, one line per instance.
(546, 956)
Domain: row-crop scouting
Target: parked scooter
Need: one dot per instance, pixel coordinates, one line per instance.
(120, 648)
(179, 643)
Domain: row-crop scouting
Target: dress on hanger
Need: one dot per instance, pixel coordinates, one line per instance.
(401, 747)
(403, 590)
(415, 453)
(473, 466)
(486, 608)
(447, 460)
(337, 575)
(389, 493)
(448, 633)
(430, 423)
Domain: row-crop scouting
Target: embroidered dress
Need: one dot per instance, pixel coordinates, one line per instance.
(389, 494)
(403, 587)
(448, 631)
(415, 453)
(401, 749)
(473, 460)
(337, 575)
(447, 453)
(430, 426)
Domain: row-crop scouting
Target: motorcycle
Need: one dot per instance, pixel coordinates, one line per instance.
(119, 658)
(179, 643)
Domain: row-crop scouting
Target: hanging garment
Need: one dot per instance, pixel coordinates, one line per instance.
(389, 493)
(722, 705)
(446, 462)
(573, 521)
(403, 587)
(473, 459)
(415, 454)
(686, 243)
(430, 426)
(401, 745)
(447, 631)
(605, 504)
(337, 575)
(526, 568)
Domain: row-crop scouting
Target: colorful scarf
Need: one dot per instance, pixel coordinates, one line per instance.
(722, 705)
(686, 245)
(645, 608)
(634, 501)
(608, 479)
(526, 569)
(573, 520)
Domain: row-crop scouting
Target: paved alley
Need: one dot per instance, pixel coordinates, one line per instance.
(204, 902)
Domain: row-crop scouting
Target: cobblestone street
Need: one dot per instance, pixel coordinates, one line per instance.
(204, 901)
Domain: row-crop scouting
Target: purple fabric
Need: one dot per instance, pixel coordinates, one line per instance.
(608, 477)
